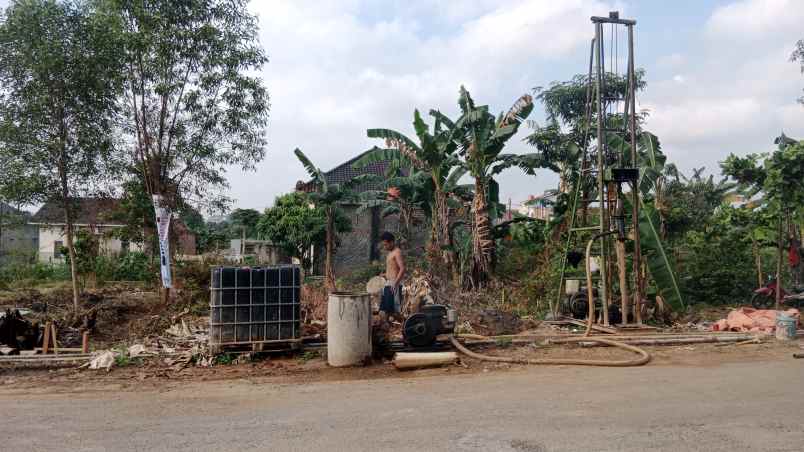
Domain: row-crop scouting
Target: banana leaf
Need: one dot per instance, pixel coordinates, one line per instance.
(659, 265)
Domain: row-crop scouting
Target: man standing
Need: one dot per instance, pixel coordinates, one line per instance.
(391, 301)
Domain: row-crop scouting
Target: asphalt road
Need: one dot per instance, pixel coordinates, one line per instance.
(732, 407)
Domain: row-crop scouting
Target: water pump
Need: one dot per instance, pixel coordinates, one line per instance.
(422, 328)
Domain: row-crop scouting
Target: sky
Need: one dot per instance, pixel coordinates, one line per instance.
(718, 74)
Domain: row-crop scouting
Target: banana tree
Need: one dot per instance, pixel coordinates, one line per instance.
(433, 155)
(330, 197)
(650, 184)
(403, 193)
(482, 140)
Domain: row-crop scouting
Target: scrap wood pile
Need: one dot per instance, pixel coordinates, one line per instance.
(181, 345)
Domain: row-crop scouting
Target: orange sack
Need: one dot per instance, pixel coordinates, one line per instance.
(753, 320)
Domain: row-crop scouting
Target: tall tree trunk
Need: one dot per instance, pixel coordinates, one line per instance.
(757, 260)
(779, 260)
(482, 240)
(406, 214)
(68, 221)
(329, 273)
(443, 230)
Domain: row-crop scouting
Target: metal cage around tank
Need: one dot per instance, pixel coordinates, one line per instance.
(254, 305)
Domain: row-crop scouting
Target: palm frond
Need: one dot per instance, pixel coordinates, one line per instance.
(312, 170)
(442, 119)
(405, 145)
(455, 176)
(389, 210)
(465, 101)
(518, 112)
(359, 180)
(377, 155)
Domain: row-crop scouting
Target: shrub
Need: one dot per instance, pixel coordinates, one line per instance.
(134, 266)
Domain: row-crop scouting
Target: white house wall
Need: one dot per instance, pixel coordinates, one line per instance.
(49, 235)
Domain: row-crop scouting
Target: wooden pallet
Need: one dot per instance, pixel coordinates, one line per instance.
(256, 347)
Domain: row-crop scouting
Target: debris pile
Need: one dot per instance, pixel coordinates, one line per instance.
(17, 333)
(752, 320)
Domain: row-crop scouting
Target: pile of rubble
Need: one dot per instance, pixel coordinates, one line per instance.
(181, 345)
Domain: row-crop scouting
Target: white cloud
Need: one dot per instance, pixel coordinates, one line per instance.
(755, 19)
(699, 119)
(334, 73)
(738, 89)
(337, 70)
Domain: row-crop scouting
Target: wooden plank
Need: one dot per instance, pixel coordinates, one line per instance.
(85, 342)
(66, 350)
(55, 342)
(46, 340)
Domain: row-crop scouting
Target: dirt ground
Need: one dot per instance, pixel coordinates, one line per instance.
(127, 314)
(309, 368)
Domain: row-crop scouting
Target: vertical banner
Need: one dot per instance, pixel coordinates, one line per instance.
(163, 216)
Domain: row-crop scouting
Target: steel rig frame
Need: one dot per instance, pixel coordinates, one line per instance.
(604, 169)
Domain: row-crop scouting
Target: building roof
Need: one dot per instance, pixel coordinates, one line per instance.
(345, 172)
(87, 211)
(7, 209)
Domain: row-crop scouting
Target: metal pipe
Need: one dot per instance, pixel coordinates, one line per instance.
(590, 292)
(601, 160)
(578, 189)
(637, 261)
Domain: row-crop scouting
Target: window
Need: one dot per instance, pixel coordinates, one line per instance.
(57, 246)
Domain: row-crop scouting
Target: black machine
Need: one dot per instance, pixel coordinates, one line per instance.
(421, 329)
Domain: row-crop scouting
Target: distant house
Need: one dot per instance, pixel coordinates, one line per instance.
(538, 207)
(18, 240)
(97, 215)
(361, 246)
(262, 251)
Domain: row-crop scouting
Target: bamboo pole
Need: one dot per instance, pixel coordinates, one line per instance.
(621, 267)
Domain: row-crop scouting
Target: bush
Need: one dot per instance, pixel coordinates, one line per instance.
(716, 266)
(135, 266)
(33, 271)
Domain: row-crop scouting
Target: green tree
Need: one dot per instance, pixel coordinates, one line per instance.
(195, 101)
(482, 140)
(407, 189)
(59, 67)
(571, 122)
(435, 155)
(243, 222)
(297, 226)
(777, 179)
(329, 197)
(688, 203)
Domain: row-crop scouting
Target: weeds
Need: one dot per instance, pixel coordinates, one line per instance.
(225, 359)
(309, 355)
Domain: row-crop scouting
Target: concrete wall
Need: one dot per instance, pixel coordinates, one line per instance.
(18, 243)
(362, 246)
(49, 235)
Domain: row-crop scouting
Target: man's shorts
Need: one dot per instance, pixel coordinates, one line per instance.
(391, 302)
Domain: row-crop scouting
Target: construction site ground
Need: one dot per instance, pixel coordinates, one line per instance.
(311, 367)
(710, 398)
(689, 397)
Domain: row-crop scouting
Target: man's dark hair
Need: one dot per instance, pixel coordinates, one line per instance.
(387, 237)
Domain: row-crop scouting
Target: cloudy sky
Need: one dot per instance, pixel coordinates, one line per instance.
(718, 74)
